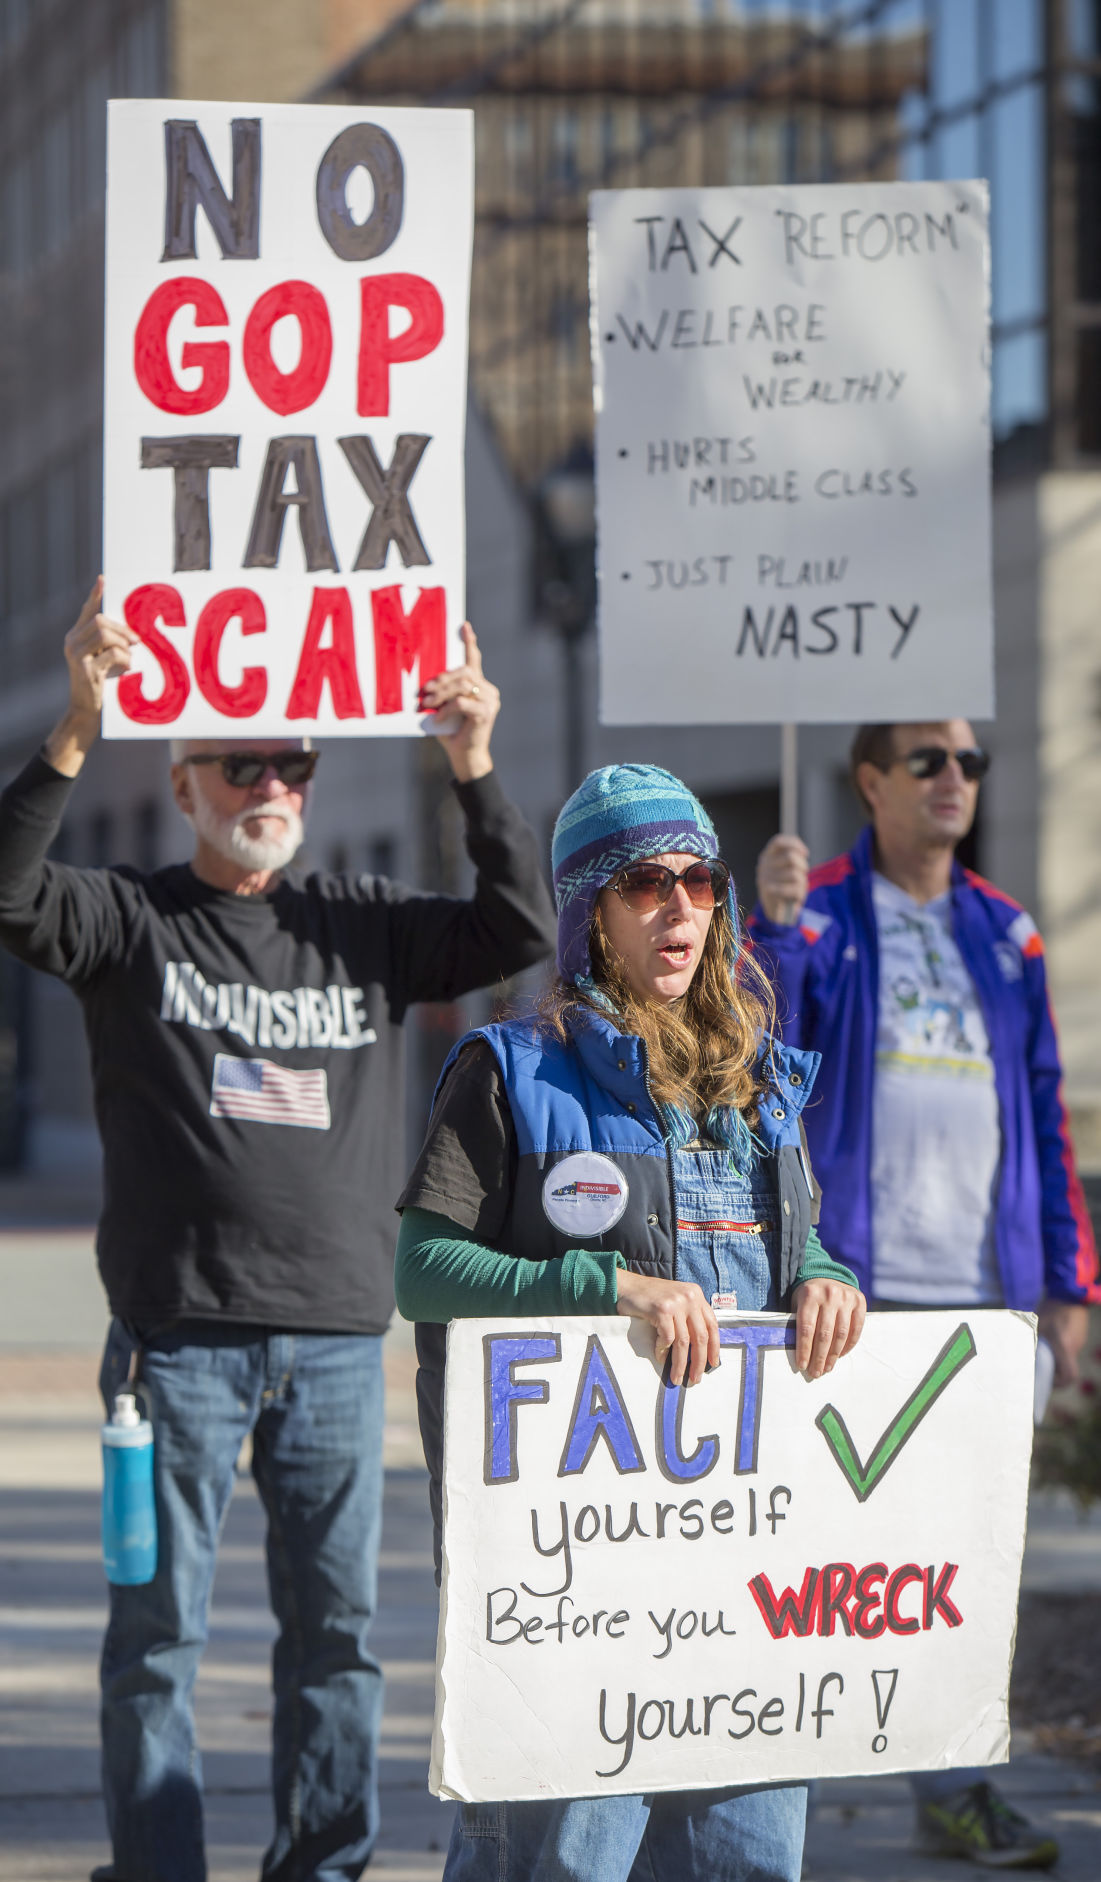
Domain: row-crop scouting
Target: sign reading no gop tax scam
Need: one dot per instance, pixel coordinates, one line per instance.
(754, 1579)
(793, 461)
(287, 291)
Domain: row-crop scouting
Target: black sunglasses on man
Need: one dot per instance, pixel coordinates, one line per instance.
(242, 769)
(928, 761)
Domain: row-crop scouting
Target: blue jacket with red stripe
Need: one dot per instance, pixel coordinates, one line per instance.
(826, 974)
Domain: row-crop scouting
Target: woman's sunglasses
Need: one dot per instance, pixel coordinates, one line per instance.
(928, 761)
(646, 886)
(245, 768)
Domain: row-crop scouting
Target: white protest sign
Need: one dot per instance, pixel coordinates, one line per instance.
(757, 1579)
(793, 453)
(285, 399)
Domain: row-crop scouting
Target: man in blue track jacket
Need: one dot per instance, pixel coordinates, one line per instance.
(939, 1135)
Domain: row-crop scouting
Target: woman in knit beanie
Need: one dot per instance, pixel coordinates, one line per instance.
(636, 1149)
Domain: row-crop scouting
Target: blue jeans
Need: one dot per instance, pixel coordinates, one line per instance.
(314, 1406)
(713, 1836)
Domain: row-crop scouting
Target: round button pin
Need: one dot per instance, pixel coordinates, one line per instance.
(585, 1194)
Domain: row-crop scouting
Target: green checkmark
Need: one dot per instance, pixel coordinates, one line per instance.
(864, 1477)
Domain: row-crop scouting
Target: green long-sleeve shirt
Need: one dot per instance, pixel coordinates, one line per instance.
(442, 1274)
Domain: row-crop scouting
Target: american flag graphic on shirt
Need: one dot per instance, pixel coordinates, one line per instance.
(264, 1093)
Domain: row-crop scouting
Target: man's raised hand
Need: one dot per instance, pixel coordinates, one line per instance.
(466, 691)
(96, 650)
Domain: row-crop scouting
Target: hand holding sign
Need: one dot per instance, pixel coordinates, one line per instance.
(469, 704)
(782, 879)
(685, 1325)
(96, 650)
(828, 1321)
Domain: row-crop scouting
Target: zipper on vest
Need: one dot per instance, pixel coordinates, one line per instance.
(673, 1224)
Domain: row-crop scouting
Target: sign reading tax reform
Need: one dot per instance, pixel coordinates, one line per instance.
(793, 458)
(287, 291)
(760, 1578)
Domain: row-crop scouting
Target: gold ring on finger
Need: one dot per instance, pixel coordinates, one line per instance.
(474, 691)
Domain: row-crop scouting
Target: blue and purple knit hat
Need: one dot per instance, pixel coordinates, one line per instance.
(619, 815)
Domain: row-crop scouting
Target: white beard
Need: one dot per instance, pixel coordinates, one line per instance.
(227, 836)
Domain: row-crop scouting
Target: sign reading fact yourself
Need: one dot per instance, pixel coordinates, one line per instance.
(285, 398)
(757, 1579)
(793, 453)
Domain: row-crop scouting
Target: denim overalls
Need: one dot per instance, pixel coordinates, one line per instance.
(728, 1242)
(728, 1229)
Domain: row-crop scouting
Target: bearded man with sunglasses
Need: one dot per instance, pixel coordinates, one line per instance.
(940, 1139)
(245, 1022)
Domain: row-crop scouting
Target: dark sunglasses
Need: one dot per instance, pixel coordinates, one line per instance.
(928, 761)
(245, 768)
(646, 886)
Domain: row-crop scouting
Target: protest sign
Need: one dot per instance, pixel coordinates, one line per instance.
(285, 398)
(760, 1578)
(792, 449)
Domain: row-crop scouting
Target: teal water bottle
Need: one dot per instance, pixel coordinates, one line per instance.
(129, 1510)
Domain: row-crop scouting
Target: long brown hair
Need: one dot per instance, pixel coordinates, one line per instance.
(703, 1048)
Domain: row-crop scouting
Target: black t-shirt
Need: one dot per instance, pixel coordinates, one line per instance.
(246, 1054)
(467, 1164)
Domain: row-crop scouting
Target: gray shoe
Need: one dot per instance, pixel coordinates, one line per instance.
(980, 1826)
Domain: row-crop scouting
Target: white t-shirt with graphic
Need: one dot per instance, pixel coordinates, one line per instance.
(936, 1137)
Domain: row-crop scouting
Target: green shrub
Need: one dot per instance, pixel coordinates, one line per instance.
(1067, 1453)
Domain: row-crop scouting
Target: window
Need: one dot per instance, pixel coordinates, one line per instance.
(744, 821)
(609, 142)
(14, 16)
(94, 128)
(739, 168)
(564, 149)
(61, 534)
(518, 139)
(381, 851)
(565, 323)
(25, 584)
(141, 55)
(88, 501)
(57, 203)
(789, 151)
(17, 217)
(1088, 409)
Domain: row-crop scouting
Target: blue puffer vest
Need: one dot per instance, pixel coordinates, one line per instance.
(593, 1095)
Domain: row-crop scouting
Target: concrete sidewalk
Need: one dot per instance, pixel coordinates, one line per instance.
(52, 1608)
(52, 1612)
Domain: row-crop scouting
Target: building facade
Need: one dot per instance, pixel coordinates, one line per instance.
(611, 94)
(601, 93)
(60, 61)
